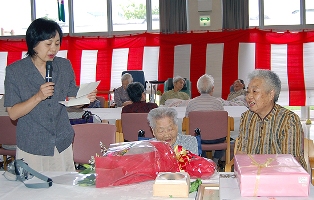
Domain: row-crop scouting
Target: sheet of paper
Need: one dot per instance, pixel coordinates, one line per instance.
(81, 97)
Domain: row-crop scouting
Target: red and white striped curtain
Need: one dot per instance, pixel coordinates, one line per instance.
(227, 56)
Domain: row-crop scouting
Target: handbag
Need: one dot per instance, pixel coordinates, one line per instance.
(18, 170)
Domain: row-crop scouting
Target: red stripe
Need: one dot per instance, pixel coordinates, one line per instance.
(13, 56)
(229, 66)
(262, 52)
(103, 69)
(75, 56)
(297, 93)
(198, 61)
(135, 59)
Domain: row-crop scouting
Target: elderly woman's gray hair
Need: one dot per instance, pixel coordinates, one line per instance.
(160, 113)
(177, 78)
(128, 77)
(271, 79)
(205, 84)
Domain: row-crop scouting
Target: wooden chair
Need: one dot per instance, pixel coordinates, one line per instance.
(87, 140)
(213, 125)
(8, 137)
(131, 123)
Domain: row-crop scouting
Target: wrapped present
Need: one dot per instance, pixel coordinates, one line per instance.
(134, 162)
(196, 166)
(270, 175)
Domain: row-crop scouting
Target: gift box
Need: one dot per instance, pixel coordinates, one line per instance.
(270, 175)
(134, 162)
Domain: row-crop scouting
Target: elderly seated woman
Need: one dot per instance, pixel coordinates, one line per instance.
(164, 123)
(268, 128)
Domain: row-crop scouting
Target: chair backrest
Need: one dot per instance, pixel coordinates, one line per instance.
(168, 85)
(7, 130)
(213, 124)
(87, 140)
(138, 76)
(132, 123)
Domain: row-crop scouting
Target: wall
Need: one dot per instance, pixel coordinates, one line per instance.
(215, 16)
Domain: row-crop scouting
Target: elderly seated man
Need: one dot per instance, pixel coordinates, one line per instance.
(164, 123)
(206, 102)
(137, 95)
(178, 83)
(268, 128)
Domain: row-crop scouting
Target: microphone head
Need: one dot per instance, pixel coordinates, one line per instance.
(49, 65)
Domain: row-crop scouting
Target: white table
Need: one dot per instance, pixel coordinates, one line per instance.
(112, 114)
(63, 188)
(140, 191)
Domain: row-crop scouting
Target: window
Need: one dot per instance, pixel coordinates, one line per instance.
(49, 9)
(14, 17)
(309, 11)
(155, 15)
(281, 14)
(129, 15)
(90, 16)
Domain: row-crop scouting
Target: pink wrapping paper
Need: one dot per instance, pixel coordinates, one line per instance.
(271, 175)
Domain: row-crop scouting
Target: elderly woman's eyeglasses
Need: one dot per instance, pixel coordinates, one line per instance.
(161, 130)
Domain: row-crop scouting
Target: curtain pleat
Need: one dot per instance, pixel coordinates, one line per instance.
(235, 14)
(173, 16)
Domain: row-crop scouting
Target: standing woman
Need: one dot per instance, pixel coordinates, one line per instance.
(44, 134)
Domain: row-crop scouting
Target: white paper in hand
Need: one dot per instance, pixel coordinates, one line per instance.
(81, 97)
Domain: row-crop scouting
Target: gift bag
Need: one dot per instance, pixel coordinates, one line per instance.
(133, 162)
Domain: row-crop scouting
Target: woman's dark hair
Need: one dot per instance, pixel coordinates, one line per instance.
(241, 81)
(135, 91)
(39, 30)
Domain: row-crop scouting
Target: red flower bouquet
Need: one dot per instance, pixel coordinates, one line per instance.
(134, 162)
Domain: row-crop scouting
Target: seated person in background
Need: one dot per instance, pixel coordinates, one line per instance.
(206, 102)
(164, 123)
(237, 101)
(178, 83)
(238, 89)
(205, 86)
(137, 95)
(268, 128)
(121, 97)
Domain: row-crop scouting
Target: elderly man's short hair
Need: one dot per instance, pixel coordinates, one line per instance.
(271, 79)
(205, 84)
(160, 113)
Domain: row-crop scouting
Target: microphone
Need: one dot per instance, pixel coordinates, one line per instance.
(48, 73)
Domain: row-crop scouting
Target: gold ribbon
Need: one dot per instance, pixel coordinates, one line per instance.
(259, 168)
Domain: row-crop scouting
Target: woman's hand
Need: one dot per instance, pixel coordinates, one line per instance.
(92, 96)
(46, 90)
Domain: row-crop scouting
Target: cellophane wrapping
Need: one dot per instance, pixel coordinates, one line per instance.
(134, 162)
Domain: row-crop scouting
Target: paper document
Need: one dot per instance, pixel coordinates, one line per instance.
(81, 97)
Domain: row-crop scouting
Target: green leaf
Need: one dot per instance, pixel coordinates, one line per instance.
(195, 184)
